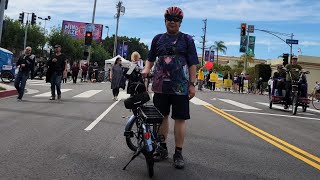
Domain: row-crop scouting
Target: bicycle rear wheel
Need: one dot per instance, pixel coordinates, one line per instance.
(132, 141)
(315, 100)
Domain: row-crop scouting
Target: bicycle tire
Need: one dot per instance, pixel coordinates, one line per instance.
(314, 100)
(7, 76)
(295, 104)
(150, 164)
(129, 142)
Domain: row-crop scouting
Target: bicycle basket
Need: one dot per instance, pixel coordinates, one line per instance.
(136, 100)
(150, 114)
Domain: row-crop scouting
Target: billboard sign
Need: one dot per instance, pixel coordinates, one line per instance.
(77, 30)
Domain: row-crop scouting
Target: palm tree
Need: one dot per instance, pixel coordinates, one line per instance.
(219, 46)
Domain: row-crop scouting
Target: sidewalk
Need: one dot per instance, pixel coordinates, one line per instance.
(9, 90)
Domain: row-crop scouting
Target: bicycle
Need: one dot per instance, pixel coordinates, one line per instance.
(147, 120)
(315, 99)
(7, 76)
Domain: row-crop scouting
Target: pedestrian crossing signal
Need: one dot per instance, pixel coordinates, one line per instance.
(88, 38)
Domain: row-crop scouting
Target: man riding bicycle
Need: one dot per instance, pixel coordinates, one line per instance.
(291, 69)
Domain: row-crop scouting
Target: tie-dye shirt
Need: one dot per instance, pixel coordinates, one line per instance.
(175, 53)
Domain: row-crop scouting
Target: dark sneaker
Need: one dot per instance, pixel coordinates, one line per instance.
(52, 98)
(178, 161)
(59, 97)
(160, 154)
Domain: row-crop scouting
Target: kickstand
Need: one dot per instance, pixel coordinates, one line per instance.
(133, 157)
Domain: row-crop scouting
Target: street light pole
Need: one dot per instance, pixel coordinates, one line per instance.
(107, 31)
(44, 28)
(92, 24)
(26, 31)
(2, 7)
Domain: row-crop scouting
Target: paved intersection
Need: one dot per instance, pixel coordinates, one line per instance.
(42, 139)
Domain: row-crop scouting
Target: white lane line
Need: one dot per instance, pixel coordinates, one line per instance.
(95, 122)
(48, 94)
(87, 94)
(268, 114)
(241, 105)
(198, 101)
(280, 107)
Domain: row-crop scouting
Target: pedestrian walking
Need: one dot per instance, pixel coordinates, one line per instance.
(56, 66)
(75, 71)
(116, 77)
(174, 80)
(25, 64)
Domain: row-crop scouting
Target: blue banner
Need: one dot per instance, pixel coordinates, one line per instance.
(211, 56)
(123, 50)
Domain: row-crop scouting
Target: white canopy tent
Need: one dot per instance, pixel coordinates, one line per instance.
(110, 62)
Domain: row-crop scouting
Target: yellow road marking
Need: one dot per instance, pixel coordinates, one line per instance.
(255, 131)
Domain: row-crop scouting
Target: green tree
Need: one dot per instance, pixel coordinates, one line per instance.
(134, 44)
(250, 58)
(219, 46)
(13, 37)
(99, 54)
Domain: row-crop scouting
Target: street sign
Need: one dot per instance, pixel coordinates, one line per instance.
(291, 41)
(243, 44)
(251, 28)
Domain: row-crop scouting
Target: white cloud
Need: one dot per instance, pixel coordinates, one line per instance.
(309, 43)
(262, 10)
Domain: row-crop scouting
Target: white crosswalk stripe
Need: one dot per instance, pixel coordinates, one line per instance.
(37, 83)
(241, 105)
(48, 94)
(87, 94)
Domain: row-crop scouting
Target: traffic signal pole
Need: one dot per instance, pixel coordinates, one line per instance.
(2, 7)
(246, 61)
(92, 24)
(26, 31)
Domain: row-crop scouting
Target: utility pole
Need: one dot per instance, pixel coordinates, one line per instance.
(26, 30)
(204, 40)
(2, 7)
(291, 49)
(120, 11)
(92, 24)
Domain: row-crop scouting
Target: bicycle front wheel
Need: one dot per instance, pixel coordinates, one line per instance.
(315, 100)
(7, 77)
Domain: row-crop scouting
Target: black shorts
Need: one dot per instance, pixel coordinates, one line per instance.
(179, 103)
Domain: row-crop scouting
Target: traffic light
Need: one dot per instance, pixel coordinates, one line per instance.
(33, 19)
(285, 59)
(88, 38)
(243, 29)
(21, 17)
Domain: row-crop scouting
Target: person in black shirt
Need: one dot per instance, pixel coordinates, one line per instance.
(57, 64)
(25, 64)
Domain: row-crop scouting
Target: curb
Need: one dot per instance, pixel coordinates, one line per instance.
(8, 93)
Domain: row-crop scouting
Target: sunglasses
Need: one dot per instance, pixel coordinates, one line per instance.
(173, 18)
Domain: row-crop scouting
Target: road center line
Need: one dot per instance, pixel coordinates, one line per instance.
(269, 138)
(269, 114)
(95, 122)
(290, 149)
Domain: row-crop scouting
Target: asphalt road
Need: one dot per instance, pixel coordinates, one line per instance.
(230, 136)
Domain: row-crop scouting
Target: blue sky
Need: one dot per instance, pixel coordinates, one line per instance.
(144, 19)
